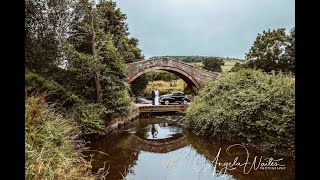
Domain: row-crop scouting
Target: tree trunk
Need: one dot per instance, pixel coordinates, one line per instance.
(98, 87)
(94, 54)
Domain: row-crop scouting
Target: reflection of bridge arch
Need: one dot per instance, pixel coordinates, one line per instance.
(158, 145)
(193, 76)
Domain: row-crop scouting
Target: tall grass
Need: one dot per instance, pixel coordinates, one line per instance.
(52, 148)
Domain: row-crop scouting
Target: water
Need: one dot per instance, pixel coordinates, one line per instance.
(159, 147)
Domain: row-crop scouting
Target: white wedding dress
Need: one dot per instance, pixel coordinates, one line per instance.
(156, 98)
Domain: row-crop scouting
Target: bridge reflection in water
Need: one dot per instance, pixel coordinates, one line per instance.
(158, 145)
(160, 136)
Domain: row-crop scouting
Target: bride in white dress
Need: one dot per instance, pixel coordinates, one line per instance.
(156, 98)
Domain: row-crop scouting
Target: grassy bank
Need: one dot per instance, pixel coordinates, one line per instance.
(248, 106)
(52, 148)
(165, 87)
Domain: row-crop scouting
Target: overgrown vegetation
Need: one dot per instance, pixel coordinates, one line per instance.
(52, 147)
(90, 117)
(53, 91)
(247, 106)
(76, 55)
(76, 52)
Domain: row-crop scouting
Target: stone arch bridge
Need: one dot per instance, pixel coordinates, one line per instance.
(193, 76)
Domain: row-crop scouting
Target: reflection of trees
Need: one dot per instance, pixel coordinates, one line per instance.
(210, 150)
(119, 158)
(142, 130)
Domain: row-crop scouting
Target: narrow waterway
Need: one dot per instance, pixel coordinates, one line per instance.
(159, 147)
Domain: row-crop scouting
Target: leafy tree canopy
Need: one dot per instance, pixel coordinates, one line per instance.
(274, 50)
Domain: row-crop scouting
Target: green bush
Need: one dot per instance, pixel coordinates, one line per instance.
(247, 106)
(90, 118)
(52, 147)
(54, 92)
(118, 102)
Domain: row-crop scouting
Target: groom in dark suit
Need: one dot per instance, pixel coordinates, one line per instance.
(153, 95)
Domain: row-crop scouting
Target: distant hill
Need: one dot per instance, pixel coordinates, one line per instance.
(197, 59)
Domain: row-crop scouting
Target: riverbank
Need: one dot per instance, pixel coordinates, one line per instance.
(53, 149)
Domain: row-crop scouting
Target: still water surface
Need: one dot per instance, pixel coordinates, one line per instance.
(159, 147)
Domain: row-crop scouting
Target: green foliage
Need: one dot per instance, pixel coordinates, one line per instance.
(274, 50)
(213, 64)
(289, 58)
(86, 61)
(118, 101)
(236, 67)
(46, 23)
(54, 92)
(139, 84)
(246, 106)
(51, 148)
(90, 118)
(248, 65)
(115, 24)
(75, 55)
(107, 67)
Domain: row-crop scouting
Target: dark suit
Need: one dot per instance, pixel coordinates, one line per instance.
(153, 95)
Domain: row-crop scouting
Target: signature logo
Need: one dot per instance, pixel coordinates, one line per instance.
(258, 163)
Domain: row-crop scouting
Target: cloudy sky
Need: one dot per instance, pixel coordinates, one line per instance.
(224, 28)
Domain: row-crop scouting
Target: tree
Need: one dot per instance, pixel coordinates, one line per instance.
(171, 78)
(96, 58)
(236, 67)
(139, 84)
(126, 47)
(116, 25)
(46, 23)
(271, 50)
(248, 65)
(213, 64)
(287, 63)
(88, 32)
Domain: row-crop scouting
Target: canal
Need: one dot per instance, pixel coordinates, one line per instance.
(160, 147)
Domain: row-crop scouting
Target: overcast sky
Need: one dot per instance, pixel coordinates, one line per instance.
(224, 28)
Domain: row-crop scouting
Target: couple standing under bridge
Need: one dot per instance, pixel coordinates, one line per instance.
(155, 97)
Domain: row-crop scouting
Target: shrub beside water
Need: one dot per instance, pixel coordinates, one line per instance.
(54, 91)
(247, 106)
(89, 116)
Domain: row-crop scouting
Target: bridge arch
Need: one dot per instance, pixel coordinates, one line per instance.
(182, 74)
(193, 76)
